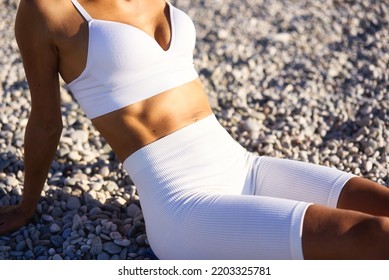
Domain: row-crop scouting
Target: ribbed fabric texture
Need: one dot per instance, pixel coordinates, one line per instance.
(203, 196)
(297, 180)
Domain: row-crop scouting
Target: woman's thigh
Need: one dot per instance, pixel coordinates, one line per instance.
(218, 226)
(290, 179)
(330, 233)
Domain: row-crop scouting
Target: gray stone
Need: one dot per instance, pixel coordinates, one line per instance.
(5, 248)
(52, 252)
(85, 248)
(96, 246)
(119, 201)
(57, 257)
(111, 248)
(21, 246)
(98, 230)
(141, 239)
(29, 255)
(103, 256)
(56, 240)
(29, 244)
(47, 218)
(80, 136)
(368, 166)
(12, 181)
(104, 171)
(73, 203)
(122, 242)
(132, 210)
(76, 222)
(115, 235)
(74, 156)
(111, 186)
(54, 228)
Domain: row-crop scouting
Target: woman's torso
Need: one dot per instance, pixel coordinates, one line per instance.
(136, 125)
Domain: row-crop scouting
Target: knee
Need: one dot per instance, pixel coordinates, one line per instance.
(375, 226)
(373, 237)
(344, 234)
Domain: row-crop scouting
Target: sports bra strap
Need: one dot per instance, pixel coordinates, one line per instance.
(81, 9)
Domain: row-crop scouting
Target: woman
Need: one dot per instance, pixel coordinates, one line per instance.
(129, 64)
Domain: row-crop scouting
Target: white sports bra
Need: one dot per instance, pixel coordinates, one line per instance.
(126, 65)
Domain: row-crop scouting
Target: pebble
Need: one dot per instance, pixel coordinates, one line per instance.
(57, 257)
(115, 235)
(42, 243)
(47, 218)
(57, 212)
(96, 187)
(56, 240)
(111, 248)
(85, 248)
(122, 242)
(77, 240)
(76, 222)
(141, 239)
(11, 181)
(17, 191)
(96, 246)
(104, 171)
(80, 136)
(40, 250)
(120, 201)
(54, 228)
(66, 233)
(369, 151)
(111, 186)
(29, 244)
(16, 254)
(29, 255)
(73, 203)
(123, 253)
(105, 236)
(75, 156)
(98, 229)
(21, 246)
(132, 209)
(35, 234)
(4, 248)
(368, 166)
(103, 256)
(69, 253)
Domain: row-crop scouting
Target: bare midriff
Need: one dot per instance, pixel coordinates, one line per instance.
(135, 126)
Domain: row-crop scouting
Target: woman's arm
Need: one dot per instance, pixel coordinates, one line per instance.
(33, 32)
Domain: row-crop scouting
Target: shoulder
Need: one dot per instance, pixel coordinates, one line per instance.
(43, 7)
(42, 13)
(43, 17)
(41, 10)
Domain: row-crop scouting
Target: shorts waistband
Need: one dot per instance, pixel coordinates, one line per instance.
(159, 149)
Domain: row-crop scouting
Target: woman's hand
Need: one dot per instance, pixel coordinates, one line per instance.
(12, 218)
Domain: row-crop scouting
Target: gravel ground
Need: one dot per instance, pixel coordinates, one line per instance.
(304, 80)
